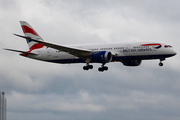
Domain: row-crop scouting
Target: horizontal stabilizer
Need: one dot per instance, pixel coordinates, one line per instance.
(21, 51)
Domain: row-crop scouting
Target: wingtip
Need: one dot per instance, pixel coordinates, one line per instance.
(14, 34)
(5, 49)
(18, 35)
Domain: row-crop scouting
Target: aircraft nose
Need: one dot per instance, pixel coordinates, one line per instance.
(174, 52)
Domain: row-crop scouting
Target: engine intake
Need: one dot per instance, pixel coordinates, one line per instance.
(101, 57)
(132, 62)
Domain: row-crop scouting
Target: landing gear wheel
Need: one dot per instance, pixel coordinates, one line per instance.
(105, 68)
(90, 66)
(160, 64)
(162, 59)
(85, 68)
(100, 69)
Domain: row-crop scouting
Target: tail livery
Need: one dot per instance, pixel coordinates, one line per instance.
(30, 32)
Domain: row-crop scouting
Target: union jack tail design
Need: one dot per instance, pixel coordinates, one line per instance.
(30, 32)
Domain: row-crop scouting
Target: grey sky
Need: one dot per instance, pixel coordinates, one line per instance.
(43, 91)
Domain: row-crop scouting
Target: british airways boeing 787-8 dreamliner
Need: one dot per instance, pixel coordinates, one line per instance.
(129, 53)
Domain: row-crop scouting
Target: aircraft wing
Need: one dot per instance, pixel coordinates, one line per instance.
(21, 51)
(81, 53)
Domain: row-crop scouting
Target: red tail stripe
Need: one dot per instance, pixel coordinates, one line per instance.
(36, 46)
(27, 29)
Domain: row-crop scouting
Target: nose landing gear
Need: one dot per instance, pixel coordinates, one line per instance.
(160, 64)
(162, 59)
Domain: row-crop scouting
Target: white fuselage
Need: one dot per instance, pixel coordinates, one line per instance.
(120, 52)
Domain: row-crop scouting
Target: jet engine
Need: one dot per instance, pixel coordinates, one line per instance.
(101, 57)
(132, 62)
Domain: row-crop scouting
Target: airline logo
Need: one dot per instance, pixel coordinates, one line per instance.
(155, 45)
(29, 32)
(27, 29)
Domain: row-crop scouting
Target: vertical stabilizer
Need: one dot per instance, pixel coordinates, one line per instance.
(30, 32)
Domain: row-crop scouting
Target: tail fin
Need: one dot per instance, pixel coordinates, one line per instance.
(30, 32)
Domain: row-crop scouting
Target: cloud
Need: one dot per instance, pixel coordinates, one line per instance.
(42, 103)
(41, 90)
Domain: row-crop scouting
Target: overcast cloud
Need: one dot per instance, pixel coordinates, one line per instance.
(38, 90)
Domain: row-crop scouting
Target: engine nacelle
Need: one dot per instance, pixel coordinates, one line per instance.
(101, 57)
(132, 62)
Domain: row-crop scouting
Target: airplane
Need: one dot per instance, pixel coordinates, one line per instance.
(128, 53)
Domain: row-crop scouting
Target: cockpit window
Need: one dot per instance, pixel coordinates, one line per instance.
(168, 46)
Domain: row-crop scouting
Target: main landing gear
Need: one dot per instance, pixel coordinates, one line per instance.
(161, 64)
(102, 68)
(87, 67)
